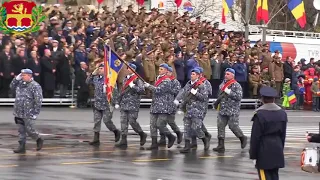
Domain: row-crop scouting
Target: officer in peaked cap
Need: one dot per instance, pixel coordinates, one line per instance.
(268, 136)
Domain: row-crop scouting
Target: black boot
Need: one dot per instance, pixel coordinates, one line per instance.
(39, 144)
(179, 137)
(96, 139)
(117, 134)
(123, 143)
(208, 135)
(243, 141)
(194, 142)
(206, 143)
(171, 140)
(154, 144)
(187, 147)
(220, 148)
(21, 149)
(143, 138)
(162, 141)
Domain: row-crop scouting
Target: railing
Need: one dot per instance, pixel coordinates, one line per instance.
(296, 34)
(144, 102)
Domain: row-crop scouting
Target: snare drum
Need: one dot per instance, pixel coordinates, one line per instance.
(310, 158)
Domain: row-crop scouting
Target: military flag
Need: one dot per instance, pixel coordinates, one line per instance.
(226, 6)
(297, 9)
(262, 13)
(112, 65)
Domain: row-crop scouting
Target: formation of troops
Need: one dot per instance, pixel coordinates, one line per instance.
(168, 99)
(269, 121)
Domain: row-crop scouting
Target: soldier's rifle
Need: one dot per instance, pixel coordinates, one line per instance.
(184, 102)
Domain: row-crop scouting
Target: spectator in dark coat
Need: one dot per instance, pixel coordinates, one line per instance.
(63, 73)
(35, 66)
(48, 74)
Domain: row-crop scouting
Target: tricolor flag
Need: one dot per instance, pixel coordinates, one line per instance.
(262, 11)
(226, 5)
(291, 97)
(112, 65)
(297, 9)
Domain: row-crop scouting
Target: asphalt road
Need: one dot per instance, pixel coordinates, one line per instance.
(66, 154)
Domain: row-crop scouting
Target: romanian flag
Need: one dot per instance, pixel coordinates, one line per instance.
(226, 5)
(297, 9)
(291, 97)
(112, 65)
(262, 11)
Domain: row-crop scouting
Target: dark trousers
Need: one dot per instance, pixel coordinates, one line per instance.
(82, 98)
(245, 89)
(5, 90)
(48, 93)
(215, 87)
(315, 103)
(270, 174)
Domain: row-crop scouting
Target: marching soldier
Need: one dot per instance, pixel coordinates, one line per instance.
(208, 87)
(102, 108)
(129, 101)
(26, 108)
(195, 101)
(268, 136)
(228, 104)
(160, 107)
(175, 87)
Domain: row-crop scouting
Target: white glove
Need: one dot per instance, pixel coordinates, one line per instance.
(117, 106)
(254, 162)
(227, 90)
(131, 84)
(146, 85)
(34, 117)
(19, 77)
(176, 102)
(104, 88)
(194, 91)
(179, 112)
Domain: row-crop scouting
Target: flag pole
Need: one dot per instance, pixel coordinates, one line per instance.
(124, 62)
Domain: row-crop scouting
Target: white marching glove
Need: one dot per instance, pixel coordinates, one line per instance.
(254, 162)
(104, 88)
(34, 117)
(194, 91)
(131, 84)
(176, 102)
(227, 90)
(19, 77)
(117, 106)
(146, 85)
(179, 112)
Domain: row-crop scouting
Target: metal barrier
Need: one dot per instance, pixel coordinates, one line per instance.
(144, 102)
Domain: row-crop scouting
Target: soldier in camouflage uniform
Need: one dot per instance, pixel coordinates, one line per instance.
(129, 103)
(208, 87)
(230, 95)
(196, 103)
(26, 108)
(160, 107)
(175, 88)
(102, 108)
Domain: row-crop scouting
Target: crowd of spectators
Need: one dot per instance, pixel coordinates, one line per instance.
(67, 46)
